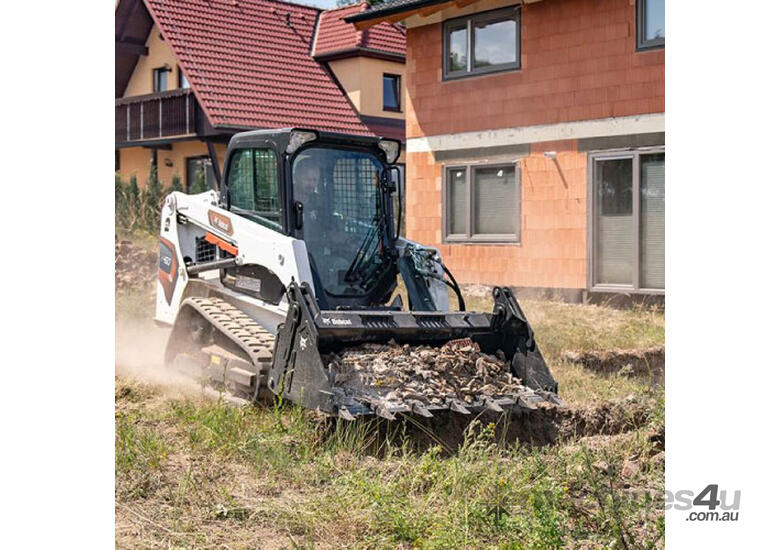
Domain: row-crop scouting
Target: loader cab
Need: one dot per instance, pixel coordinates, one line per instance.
(334, 192)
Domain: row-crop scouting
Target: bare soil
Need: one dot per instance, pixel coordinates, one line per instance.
(635, 362)
(134, 266)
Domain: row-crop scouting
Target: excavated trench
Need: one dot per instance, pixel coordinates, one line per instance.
(546, 425)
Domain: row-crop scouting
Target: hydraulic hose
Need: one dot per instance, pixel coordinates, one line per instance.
(454, 286)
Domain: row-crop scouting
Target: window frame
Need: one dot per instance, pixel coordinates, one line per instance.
(592, 250)
(159, 71)
(478, 238)
(508, 13)
(225, 183)
(187, 182)
(642, 42)
(181, 78)
(397, 79)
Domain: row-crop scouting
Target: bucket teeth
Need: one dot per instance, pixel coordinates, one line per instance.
(458, 407)
(553, 398)
(525, 402)
(492, 405)
(381, 411)
(419, 408)
(345, 414)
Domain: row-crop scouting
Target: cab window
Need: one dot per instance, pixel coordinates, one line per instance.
(253, 186)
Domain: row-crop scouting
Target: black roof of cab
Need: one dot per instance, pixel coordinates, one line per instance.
(281, 138)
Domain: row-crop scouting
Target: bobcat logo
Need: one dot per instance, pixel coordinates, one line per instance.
(221, 222)
(303, 343)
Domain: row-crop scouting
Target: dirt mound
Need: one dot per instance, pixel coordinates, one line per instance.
(133, 266)
(547, 425)
(644, 362)
(394, 374)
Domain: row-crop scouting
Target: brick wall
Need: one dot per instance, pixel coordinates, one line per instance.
(579, 61)
(553, 230)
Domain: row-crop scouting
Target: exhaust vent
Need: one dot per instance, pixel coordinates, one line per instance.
(431, 321)
(378, 321)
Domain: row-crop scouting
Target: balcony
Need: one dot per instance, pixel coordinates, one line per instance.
(155, 116)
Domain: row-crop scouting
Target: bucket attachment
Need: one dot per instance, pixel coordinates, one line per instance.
(311, 344)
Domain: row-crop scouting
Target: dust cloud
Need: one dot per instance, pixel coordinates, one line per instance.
(139, 354)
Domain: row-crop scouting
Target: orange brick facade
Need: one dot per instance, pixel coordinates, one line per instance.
(579, 62)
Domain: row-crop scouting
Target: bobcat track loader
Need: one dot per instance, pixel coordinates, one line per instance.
(296, 258)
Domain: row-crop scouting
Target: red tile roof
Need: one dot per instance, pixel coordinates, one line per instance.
(334, 35)
(249, 63)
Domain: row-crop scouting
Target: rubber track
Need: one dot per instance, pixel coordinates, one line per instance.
(241, 329)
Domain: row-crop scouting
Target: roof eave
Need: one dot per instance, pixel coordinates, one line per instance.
(358, 52)
(379, 15)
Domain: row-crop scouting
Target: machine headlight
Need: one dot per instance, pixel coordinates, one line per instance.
(298, 138)
(391, 149)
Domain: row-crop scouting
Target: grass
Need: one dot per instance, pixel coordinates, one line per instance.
(195, 466)
(198, 473)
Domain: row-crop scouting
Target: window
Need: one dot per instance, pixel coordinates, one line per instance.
(253, 186)
(117, 160)
(200, 175)
(627, 236)
(160, 79)
(342, 217)
(650, 32)
(483, 43)
(482, 203)
(391, 92)
(182, 80)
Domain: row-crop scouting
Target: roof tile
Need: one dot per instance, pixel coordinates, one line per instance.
(249, 67)
(336, 35)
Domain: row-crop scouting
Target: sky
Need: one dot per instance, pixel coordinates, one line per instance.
(326, 4)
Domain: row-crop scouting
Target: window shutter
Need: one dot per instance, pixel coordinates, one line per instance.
(495, 201)
(651, 222)
(456, 189)
(614, 226)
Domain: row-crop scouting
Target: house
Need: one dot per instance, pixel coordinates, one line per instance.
(535, 141)
(191, 73)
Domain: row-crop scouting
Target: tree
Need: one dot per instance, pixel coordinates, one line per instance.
(120, 202)
(152, 201)
(133, 203)
(199, 185)
(176, 183)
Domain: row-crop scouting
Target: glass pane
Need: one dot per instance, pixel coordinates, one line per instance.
(495, 43)
(651, 221)
(342, 217)
(390, 99)
(183, 82)
(458, 43)
(495, 201)
(208, 174)
(614, 232)
(654, 19)
(456, 191)
(240, 184)
(267, 188)
(160, 80)
(200, 176)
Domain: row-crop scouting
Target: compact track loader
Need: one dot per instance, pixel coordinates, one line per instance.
(296, 260)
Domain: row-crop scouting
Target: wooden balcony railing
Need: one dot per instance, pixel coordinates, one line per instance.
(154, 116)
